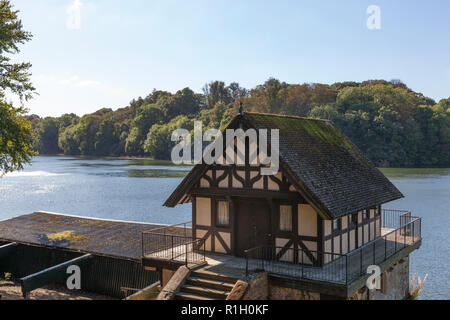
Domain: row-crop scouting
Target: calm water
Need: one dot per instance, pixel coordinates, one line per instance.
(135, 190)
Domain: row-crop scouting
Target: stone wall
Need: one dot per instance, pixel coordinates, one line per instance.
(284, 293)
(394, 284)
(260, 288)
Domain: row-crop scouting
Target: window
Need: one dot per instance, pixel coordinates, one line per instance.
(354, 219)
(285, 218)
(223, 214)
(377, 212)
(336, 224)
(365, 214)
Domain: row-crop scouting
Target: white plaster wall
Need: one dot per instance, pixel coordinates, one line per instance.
(203, 211)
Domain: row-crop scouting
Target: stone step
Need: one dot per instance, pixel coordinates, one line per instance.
(213, 276)
(205, 292)
(191, 296)
(210, 283)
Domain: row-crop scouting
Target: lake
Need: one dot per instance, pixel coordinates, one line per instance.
(136, 189)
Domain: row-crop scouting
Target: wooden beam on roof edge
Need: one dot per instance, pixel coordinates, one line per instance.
(50, 275)
(7, 249)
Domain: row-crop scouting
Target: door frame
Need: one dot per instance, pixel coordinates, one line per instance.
(237, 220)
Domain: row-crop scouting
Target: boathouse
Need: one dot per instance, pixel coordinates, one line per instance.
(314, 226)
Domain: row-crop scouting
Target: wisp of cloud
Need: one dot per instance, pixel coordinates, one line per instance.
(74, 18)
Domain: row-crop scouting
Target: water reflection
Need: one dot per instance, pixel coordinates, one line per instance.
(415, 172)
(145, 173)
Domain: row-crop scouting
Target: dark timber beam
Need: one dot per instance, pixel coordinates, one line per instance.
(50, 275)
(7, 249)
(248, 193)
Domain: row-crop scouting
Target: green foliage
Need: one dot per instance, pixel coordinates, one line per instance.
(158, 143)
(133, 145)
(13, 76)
(16, 147)
(390, 123)
(67, 142)
(184, 102)
(47, 132)
(146, 116)
(106, 138)
(217, 91)
(15, 130)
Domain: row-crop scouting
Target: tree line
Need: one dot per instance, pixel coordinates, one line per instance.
(389, 122)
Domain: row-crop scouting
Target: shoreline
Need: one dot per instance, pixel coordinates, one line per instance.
(169, 161)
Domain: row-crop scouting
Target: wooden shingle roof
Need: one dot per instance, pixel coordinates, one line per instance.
(116, 239)
(325, 166)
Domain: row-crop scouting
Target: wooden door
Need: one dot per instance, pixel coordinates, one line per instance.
(253, 225)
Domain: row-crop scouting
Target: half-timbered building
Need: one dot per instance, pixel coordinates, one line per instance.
(326, 197)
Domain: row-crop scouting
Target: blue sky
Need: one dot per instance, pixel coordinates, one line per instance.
(120, 50)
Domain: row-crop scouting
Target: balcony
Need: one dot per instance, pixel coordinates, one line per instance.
(401, 234)
(171, 247)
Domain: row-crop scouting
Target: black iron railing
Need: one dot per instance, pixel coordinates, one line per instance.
(179, 229)
(394, 219)
(296, 263)
(173, 243)
(399, 231)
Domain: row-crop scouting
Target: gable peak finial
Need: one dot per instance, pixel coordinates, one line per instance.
(241, 109)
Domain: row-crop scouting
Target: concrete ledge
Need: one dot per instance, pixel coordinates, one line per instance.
(258, 287)
(148, 293)
(174, 284)
(238, 291)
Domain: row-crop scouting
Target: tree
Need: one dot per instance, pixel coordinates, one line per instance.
(158, 143)
(13, 76)
(47, 132)
(85, 134)
(215, 92)
(15, 131)
(67, 142)
(236, 91)
(16, 146)
(133, 145)
(185, 102)
(106, 138)
(147, 115)
(217, 115)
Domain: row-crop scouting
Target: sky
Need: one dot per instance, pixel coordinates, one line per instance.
(92, 54)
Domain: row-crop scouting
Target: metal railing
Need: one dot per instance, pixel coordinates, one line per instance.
(394, 219)
(339, 268)
(173, 243)
(406, 231)
(180, 229)
(296, 263)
